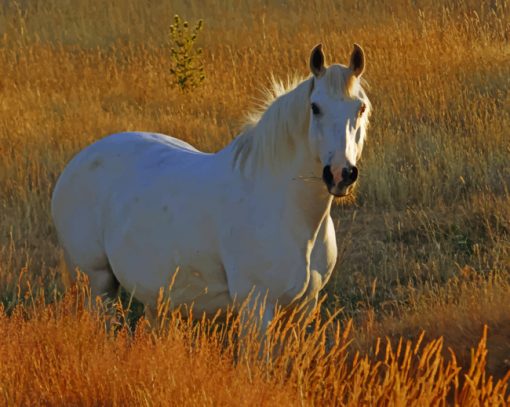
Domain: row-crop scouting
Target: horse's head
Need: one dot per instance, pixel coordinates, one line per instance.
(338, 119)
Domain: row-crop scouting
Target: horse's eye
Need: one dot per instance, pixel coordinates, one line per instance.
(362, 109)
(315, 109)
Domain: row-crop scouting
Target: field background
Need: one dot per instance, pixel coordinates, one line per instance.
(425, 244)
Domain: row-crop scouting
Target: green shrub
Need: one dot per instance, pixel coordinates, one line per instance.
(187, 65)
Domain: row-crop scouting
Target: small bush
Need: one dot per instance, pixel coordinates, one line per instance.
(187, 65)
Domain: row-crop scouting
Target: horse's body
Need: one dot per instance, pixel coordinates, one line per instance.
(133, 208)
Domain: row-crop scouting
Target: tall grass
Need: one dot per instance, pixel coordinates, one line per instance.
(60, 354)
(425, 242)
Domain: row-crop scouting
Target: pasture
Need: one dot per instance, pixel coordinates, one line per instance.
(424, 243)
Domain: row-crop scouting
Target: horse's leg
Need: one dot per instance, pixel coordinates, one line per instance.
(151, 315)
(267, 317)
(257, 313)
(322, 262)
(309, 301)
(71, 267)
(103, 283)
(257, 310)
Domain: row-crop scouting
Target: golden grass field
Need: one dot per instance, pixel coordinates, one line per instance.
(424, 245)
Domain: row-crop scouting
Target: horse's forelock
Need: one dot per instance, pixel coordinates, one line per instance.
(341, 81)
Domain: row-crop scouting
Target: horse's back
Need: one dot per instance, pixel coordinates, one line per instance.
(122, 151)
(116, 164)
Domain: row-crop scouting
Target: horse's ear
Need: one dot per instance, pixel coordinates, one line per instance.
(317, 61)
(357, 63)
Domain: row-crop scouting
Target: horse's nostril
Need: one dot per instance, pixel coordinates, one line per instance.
(345, 173)
(327, 176)
(354, 173)
(350, 174)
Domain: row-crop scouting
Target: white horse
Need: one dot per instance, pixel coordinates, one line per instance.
(133, 208)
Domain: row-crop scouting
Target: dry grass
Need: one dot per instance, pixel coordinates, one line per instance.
(64, 356)
(425, 245)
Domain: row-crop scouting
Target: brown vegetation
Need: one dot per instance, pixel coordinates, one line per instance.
(425, 244)
(61, 354)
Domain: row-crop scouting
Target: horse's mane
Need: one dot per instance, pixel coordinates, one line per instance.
(272, 129)
(268, 135)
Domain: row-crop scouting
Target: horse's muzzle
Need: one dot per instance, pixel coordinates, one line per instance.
(344, 186)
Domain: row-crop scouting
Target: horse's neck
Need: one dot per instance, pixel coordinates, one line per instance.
(296, 179)
(308, 197)
(297, 185)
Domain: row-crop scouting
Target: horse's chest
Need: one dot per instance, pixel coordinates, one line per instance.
(263, 257)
